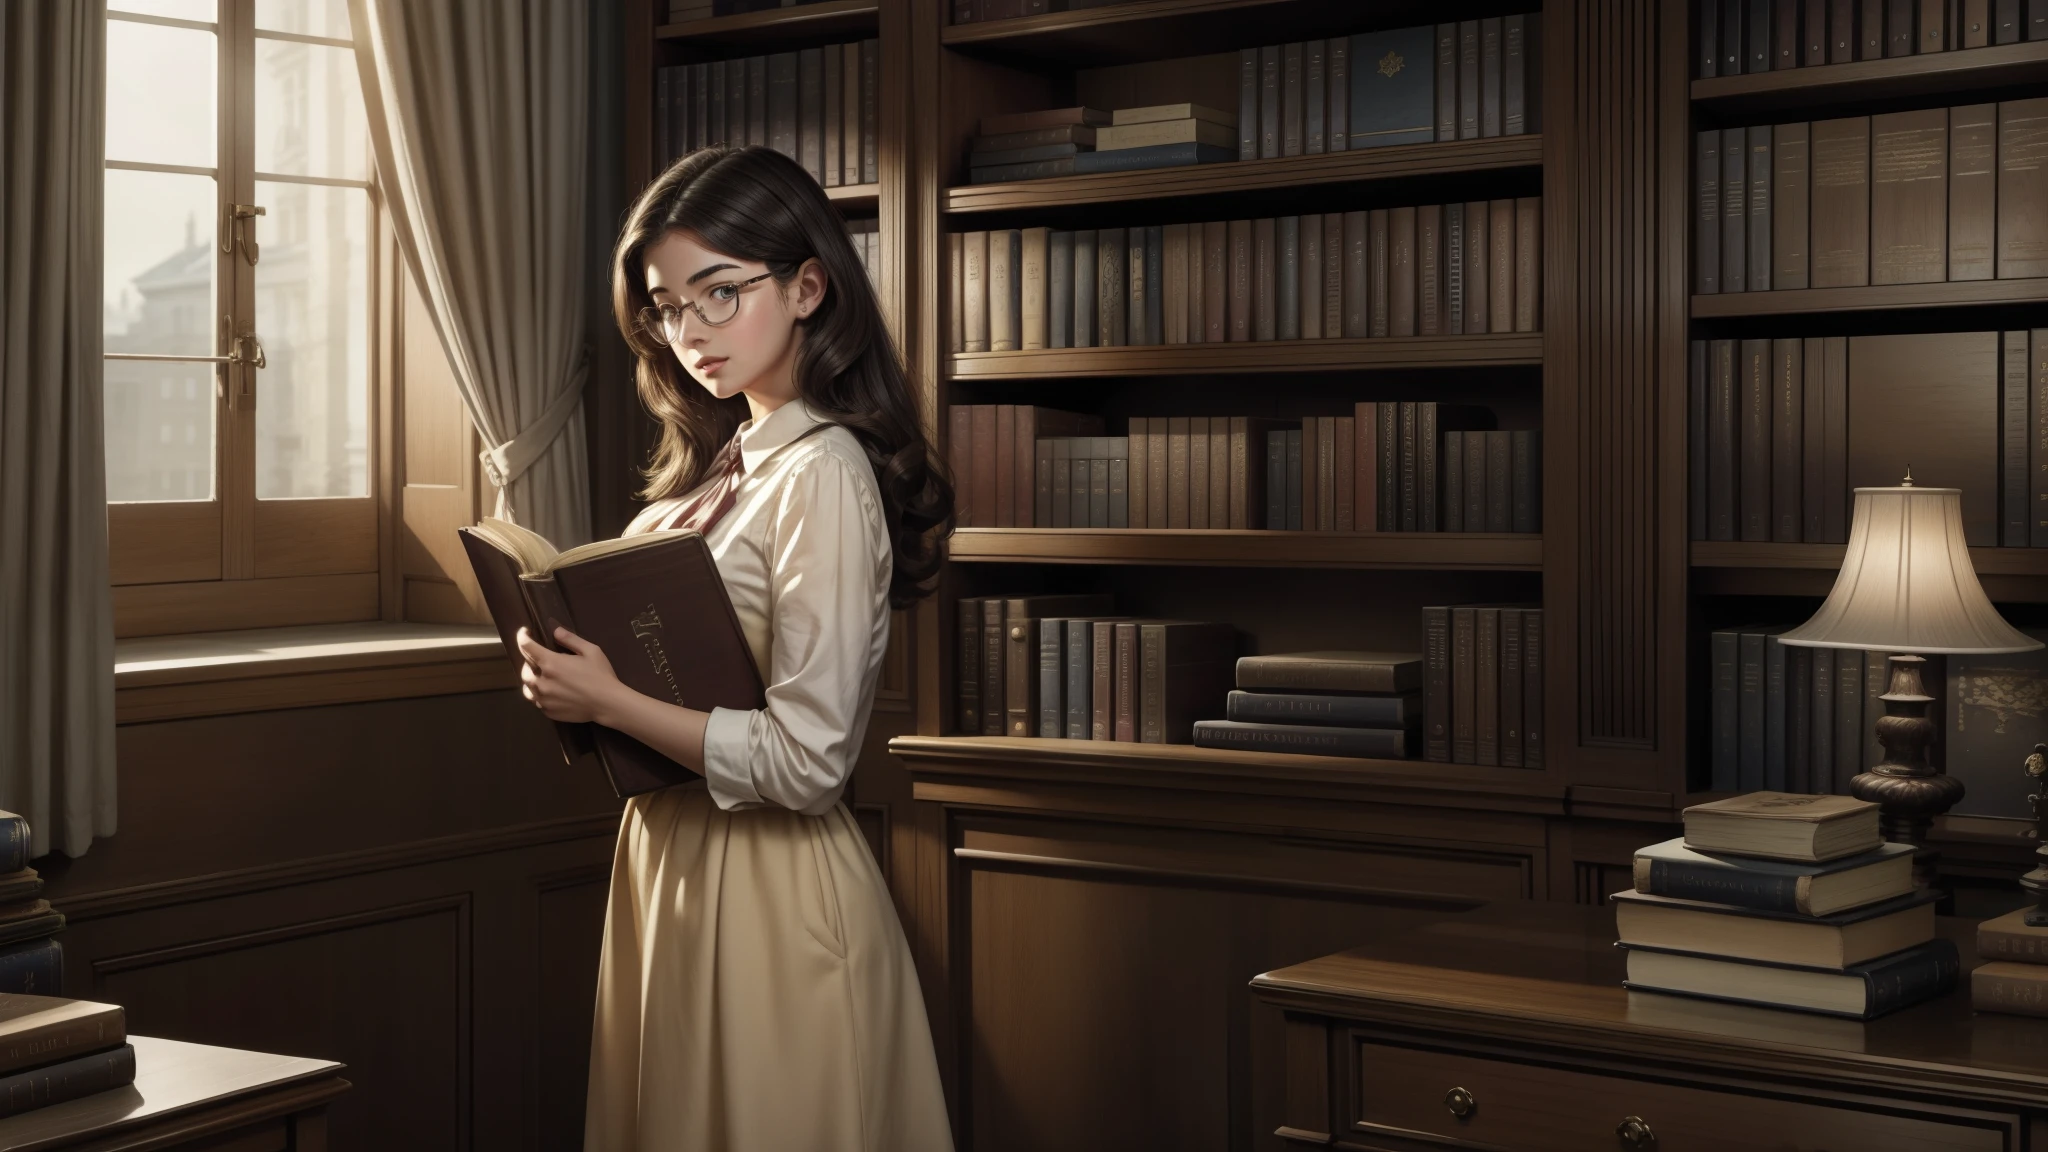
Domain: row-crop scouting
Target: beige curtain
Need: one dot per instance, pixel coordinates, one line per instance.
(56, 614)
(477, 111)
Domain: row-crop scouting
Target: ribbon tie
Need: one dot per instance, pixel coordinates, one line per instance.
(713, 500)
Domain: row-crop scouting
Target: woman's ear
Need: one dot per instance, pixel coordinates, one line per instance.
(810, 287)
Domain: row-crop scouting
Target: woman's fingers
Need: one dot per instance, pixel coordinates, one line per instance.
(530, 649)
(573, 642)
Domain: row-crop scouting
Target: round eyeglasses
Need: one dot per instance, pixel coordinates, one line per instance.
(720, 304)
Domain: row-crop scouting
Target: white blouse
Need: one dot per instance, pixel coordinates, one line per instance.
(807, 562)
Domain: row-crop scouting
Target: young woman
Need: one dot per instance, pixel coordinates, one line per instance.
(756, 990)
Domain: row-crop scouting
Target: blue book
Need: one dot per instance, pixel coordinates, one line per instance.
(67, 1080)
(1672, 869)
(1151, 156)
(1393, 87)
(13, 843)
(1860, 991)
(35, 968)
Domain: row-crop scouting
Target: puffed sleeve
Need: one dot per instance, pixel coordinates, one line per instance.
(829, 572)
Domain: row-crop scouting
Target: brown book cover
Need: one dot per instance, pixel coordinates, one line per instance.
(1835, 438)
(1309, 282)
(1184, 677)
(1174, 289)
(1812, 437)
(1176, 472)
(810, 111)
(1841, 31)
(1870, 38)
(654, 603)
(1452, 272)
(1909, 197)
(1194, 295)
(850, 160)
(1814, 42)
(975, 291)
(1219, 472)
(1112, 288)
(1464, 684)
(959, 457)
(1102, 680)
(1790, 193)
(1356, 274)
(1240, 320)
(1331, 671)
(1511, 673)
(1158, 489)
(1401, 272)
(1429, 285)
(1754, 416)
(1343, 516)
(1486, 657)
(1021, 651)
(1706, 206)
(2010, 937)
(1265, 272)
(1309, 436)
(1478, 266)
(1216, 282)
(1138, 289)
(1529, 264)
(1198, 472)
(2018, 989)
(1140, 477)
(1972, 190)
(984, 486)
(1788, 409)
(994, 685)
(1334, 264)
(1975, 24)
(956, 301)
(1758, 205)
(1126, 715)
(1900, 27)
(1269, 101)
(1840, 229)
(1784, 34)
(967, 667)
(1734, 210)
(834, 119)
(1044, 118)
(1325, 474)
(1287, 278)
(2023, 180)
(1292, 122)
(1933, 27)
(1379, 284)
(1034, 281)
(1502, 246)
(2037, 445)
(1006, 466)
(1365, 466)
(40, 1030)
(1929, 400)
(1247, 467)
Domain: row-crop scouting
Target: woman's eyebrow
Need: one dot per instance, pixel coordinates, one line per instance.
(708, 271)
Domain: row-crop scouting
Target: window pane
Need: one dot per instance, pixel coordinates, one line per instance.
(160, 263)
(175, 9)
(312, 311)
(309, 111)
(159, 430)
(306, 17)
(160, 94)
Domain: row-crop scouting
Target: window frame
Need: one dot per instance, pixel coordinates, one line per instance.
(235, 561)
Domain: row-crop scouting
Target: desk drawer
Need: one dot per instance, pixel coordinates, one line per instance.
(1535, 1108)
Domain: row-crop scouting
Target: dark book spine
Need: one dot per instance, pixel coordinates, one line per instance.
(1722, 441)
(1052, 677)
(1119, 481)
(1898, 27)
(1436, 684)
(1788, 408)
(1870, 40)
(1734, 210)
(1044, 514)
(1447, 82)
(14, 843)
(2012, 441)
(1707, 41)
(1454, 269)
(1757, 24)
(1287, 280)
(1848, 717)
(1518, 47)
(1059, 307)
(1732, 40)
(1721, 886)
(1377, 743)
(1102, 688)
(1464, 686)
(1098, 485)
(1500, 471)
(993, 687)
(1840, 207)
(1127, 680)
(1410, 460)
(1080, 673)
(1152, 685)
(1914, 975)
(1337, 112)
(1696, 441)
(1759, 208)
(1726, 725)
(1799, 721)
(1269, 101)
(1276, 480)
(1785, 48)
(1468, 80)
(2007, 25)
(1821, 746)
(1972, 191)
(2023, 175)
(1813, 37)
(67, 1080)
(1427, 469)
(1835, 463)
(1755, 467)
(1292, 122)
(1315, 97)
(33, 968)
(1789, 207)
(1454, 483)
(1475, 479)
(1706, 168)
(1490, 76)
(1841, 31)
(1909, 197)
(1388, 423)
(1532, 688)
(1813, 443)
(1293, 479)
(1248, 104)
(1511, 687)
(1429, 282)
(969, 670)
(1265, 270)
(1155, 284)
(1775, 681)
(1527, 488)
(2037, 438)
(1313, 708)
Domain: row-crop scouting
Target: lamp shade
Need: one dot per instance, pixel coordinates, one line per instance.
(1907, 584)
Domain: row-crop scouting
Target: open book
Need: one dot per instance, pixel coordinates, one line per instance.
(656, 605)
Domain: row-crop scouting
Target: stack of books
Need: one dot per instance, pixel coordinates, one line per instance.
(1324, 703)
(1786, 901)
(31, 959)
(1161, 136)
(53, 1051)
(1032, 145)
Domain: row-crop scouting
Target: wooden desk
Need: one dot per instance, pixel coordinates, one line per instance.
(192, 1096)
(1520, 1006)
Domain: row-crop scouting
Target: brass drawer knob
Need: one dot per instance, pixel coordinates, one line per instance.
(1460, 1102)
(1635, 1134)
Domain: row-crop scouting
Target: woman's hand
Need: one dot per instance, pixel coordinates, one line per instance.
(578, 685)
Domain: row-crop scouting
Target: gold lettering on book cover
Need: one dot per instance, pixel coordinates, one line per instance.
(647, 629)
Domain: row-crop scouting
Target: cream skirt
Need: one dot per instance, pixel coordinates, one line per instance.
(756, 991)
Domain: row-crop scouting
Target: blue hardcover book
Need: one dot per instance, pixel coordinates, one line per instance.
(67, 1080)
(1860, 991)
(1393, 87)
(13, 843)
(1151, 156)
(35, 968)
(1672, 869)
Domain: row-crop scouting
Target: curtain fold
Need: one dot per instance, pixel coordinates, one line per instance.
(477, 115)
(56, 608)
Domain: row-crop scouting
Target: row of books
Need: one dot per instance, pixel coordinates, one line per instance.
(1784, 901)
(1919, 197)
(1743, 36)
(681, 10)
(1432, 270)
(1390, 466)
(1326, 703)
(1482, 671)
(1080, 140)
(818, 106)
(1793, 719)
(1781, 429)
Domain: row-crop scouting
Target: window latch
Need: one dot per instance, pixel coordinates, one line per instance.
(239, 228)
(246, 349)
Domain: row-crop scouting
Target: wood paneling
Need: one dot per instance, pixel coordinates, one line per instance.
(214, 605)
(570, 915)
(1873, 298)
(167, 542)
(315, 537)
(440, 489)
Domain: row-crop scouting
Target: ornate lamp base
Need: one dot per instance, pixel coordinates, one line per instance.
(1908, 790)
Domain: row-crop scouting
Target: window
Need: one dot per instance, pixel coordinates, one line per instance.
(242, 266)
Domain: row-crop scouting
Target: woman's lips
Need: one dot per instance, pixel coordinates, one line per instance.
(711, 364)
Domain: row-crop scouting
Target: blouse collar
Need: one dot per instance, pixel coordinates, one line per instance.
(760, 438)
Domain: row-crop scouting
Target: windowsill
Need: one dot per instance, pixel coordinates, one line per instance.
(216, 673)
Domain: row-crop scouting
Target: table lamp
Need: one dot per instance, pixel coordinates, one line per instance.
(1907, 587)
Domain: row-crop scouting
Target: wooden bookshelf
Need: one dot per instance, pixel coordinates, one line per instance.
(1791, 90)
(1756, 554)
(1871, 298)
(1370, 165)
(1252, 356)
(1435, 551)
(777, 28)
(855, 199)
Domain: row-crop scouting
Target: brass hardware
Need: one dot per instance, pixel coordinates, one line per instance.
(1460, 1102)
(1635, 1134)
(1019, 632)
(241, 229)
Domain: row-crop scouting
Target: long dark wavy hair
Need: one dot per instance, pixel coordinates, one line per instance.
(757, 204)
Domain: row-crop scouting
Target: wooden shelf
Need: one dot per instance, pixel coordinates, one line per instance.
(1398, 162)
(1166, 29)
(855, 197)
(1964, 70)
(1756, 554)
(757, 30)
(1237, 548)
(1251, 356)
(1874, 298)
